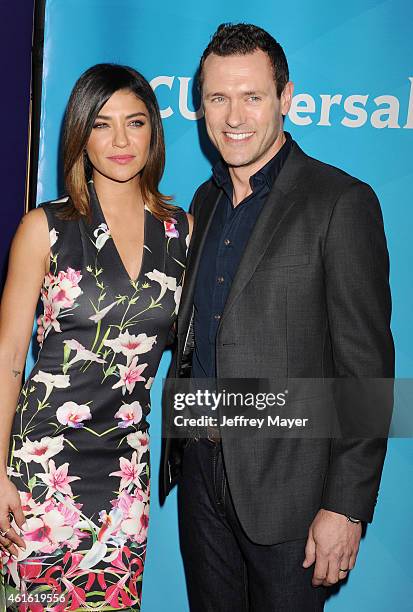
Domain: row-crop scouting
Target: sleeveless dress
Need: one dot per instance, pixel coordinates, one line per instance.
(79, 452)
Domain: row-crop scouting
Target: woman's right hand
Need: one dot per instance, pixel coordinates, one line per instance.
(10, 504)
(39, 331)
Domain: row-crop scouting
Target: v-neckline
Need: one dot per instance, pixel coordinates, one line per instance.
(102, 219)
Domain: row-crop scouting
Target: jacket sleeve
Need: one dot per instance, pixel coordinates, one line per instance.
(359, 309)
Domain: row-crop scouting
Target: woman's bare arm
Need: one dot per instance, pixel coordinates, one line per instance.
(28, 264)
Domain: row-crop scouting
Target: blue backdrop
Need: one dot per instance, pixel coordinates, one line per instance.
(353, 73)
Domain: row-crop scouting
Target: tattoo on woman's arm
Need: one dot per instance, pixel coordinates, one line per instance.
(16, 373)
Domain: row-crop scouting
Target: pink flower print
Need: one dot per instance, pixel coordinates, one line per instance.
(67, 289)
(72, 517)
(129, 471)
(47, 531)
(40, 451)
(101, 234)
(139, 441)
(130, 414)
(59, 292)
(73, 414)
(132, 524)
(98, 316)
(130, 375)
(166, 282)
(131, 567)
(49, 280)
(53, 236)
(82, 354)
(50, 313)
(145, 518)
(123, 502)
(113, 592)
(142, 495)
(75, 540)
(170, 229)
(32, 607)
(130, 345)
(30, 506)
(57, 479)
(26, 501)
(131, 570)
(110, 525)
(76, 595)
(30, 571)
(61, 381)
(144, 524)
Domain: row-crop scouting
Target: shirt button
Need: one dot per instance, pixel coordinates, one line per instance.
(217, 317)
(220, 279)
(227, 242)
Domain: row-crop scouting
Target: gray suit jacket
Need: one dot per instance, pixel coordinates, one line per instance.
(310, 299)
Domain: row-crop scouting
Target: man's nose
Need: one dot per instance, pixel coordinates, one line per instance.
(235, 116)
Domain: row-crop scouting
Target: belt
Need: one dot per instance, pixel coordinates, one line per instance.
(213, 434)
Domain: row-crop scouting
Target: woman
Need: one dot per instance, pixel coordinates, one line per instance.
(108, 261)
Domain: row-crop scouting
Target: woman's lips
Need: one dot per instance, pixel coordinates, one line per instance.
(121, 159)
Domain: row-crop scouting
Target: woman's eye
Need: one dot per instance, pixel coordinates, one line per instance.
(100, 125)
(137, 123)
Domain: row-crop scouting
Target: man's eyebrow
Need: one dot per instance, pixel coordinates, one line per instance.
(215, 93)
(107, 117)
(252, 92)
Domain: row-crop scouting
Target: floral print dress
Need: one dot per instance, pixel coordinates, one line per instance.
(79, 451)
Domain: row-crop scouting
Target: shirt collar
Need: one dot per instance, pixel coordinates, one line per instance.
(267, 174)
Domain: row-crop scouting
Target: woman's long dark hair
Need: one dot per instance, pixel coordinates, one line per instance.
(92, 90)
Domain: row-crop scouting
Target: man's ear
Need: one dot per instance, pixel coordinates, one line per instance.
(287, 97)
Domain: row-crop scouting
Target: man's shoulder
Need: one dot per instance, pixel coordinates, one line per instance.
(324, 186)
(204, 188)
(201, 193)
(323, 175)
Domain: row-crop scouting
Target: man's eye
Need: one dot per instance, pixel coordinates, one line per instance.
(254, 98)
(218, 99)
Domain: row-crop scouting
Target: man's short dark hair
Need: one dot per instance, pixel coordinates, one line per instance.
(244, 38)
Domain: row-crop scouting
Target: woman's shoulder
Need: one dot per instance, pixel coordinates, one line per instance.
(58, 206)
(60, 212)
(178, 214)
(180, 223)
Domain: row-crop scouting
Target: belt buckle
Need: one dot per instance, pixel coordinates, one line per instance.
(214, 435)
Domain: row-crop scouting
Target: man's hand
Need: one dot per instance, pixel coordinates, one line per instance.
(333, 544)
(40, 331)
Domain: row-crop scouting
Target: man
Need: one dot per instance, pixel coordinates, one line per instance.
(287, 277)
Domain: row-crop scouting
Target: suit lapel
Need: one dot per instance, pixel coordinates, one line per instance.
(281, 200)
(276, 207)
(202, 224)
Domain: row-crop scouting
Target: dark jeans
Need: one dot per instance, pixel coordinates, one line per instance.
(225, 571)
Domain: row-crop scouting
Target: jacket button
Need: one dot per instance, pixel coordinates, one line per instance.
(227, 242)
(217, 317)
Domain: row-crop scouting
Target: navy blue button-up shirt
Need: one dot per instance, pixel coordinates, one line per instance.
(227, 238)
